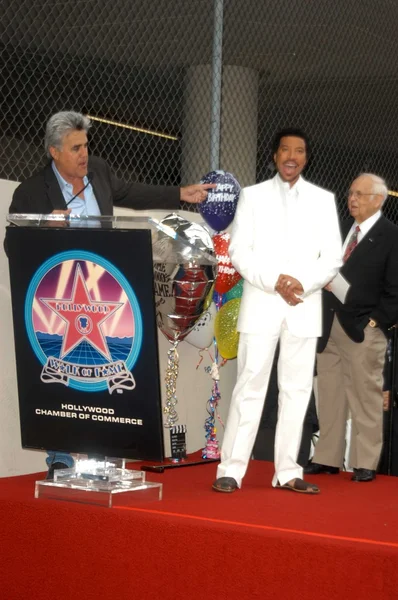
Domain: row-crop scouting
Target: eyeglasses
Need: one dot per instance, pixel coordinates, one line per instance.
(358, 195)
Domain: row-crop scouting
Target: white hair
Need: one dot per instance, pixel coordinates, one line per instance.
(379, 186)
(60, 124)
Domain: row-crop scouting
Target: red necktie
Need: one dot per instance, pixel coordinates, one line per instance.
(352, 244)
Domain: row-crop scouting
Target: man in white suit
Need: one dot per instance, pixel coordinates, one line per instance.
(286, 245)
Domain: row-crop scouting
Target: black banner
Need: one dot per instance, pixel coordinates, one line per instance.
(86, 341)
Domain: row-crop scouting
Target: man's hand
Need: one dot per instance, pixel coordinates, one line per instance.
(194, 194)
(289, 288)
(386, 400)
(59, 223)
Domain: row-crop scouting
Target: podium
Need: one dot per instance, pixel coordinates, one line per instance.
(85, 326)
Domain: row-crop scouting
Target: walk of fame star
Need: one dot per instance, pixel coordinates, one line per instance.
(83, 317)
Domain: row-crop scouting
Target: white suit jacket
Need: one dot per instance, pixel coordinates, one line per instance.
(299, 237)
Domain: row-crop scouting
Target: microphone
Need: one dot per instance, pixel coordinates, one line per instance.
(90, 177)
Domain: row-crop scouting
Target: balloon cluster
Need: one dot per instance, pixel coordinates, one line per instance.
(219, 324)
(185, 269)
(219, 321)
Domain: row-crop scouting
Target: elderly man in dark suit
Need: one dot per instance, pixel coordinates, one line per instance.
(360, 305)
(74, 181)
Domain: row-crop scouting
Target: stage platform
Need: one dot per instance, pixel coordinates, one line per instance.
(197, 544)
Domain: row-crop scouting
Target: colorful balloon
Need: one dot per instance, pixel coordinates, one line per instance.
(219, 299)
(227, 276)
(225, 332)
(235, 292)
(218, 210)
(209, 298)
(201, 336)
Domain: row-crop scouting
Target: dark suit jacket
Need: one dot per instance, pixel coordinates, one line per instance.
(372, 272)
(41, 194)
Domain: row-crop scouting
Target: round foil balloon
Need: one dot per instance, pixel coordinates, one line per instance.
(185, 269)
(201, 336)
(235, 292)
(225, 331)
(209, 298)
(227, 276)
(218, 210)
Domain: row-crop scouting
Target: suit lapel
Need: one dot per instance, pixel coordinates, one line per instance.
(268, 211)
(369, 242)
(101, 191)
(54, 194)
(99, 196)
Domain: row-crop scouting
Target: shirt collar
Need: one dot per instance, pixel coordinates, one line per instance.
(285, 186)
(62, 182)
(365, 226)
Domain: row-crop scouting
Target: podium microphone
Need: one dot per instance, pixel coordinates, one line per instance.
(90, 177)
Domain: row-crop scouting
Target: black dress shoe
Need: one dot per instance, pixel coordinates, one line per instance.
(363, 475)
(225, 484)
(314, 468)
(54, 467)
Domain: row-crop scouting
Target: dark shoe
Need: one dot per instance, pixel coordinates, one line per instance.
(314, 468)
(225, 484)
(363, 475)
(54, 467)
(301, 486)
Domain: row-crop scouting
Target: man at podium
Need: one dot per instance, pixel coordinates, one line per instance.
(74, 182)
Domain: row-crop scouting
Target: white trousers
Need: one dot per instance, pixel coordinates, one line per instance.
(295, 380)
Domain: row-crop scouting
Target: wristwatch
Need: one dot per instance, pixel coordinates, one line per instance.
(372, 323)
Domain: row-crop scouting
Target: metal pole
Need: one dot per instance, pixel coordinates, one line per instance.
(215, 123)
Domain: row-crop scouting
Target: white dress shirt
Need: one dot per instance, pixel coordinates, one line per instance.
(79, 206)
(289, 201)
(364, 227)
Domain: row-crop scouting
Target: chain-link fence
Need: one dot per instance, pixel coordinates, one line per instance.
(215, 78)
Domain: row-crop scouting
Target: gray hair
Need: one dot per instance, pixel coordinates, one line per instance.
(379, 185)
(60, 124)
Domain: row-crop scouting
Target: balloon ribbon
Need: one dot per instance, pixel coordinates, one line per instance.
(171, 386)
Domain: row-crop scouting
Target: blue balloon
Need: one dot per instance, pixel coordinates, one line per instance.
(219, 299)
(218, 210)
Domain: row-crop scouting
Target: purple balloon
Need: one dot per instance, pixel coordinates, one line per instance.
(218, 210)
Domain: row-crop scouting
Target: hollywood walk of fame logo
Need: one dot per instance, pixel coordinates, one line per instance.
(84, 323)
